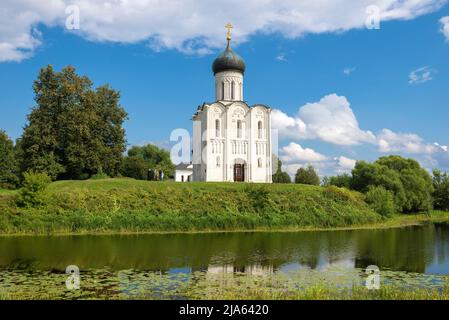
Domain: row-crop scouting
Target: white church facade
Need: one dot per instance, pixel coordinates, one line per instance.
(231, 139)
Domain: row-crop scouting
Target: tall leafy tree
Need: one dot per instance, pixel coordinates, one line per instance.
(140, 159)
(74, 131)
(405, 178)
(307, 175)
(441, 190)
(281, 176)
(341, 181)
(8, 163)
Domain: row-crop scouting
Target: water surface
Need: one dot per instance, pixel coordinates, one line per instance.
(117, 265)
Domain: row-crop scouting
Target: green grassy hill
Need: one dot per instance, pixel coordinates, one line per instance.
(126, 205)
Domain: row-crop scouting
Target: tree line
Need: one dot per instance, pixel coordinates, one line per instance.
(75, 131)
(390, 184)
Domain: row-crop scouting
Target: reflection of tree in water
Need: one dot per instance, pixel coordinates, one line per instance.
(442, 246)
(408, 249)
(23, 264)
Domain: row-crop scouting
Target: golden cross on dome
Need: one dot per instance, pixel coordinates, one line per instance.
(229, 27)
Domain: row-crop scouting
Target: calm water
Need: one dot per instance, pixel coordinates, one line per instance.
(156, 264)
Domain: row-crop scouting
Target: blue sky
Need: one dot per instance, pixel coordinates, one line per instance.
(287, 67)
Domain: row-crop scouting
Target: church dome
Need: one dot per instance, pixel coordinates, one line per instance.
(228, 60)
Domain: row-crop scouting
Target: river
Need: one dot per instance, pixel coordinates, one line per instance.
(158, 265)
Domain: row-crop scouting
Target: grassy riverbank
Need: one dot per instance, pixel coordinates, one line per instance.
(314, 292)
(131, 206)
(320, 292)
(126, 205)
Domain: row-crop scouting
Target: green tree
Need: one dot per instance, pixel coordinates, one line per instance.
(32, 193)
(74, 131)
(409, 182)
(280, 176)
(307, 175)
(380, 200)
(341, 181)
(142, 159)
(135, 167)
(416, 180)
(441, 190)
(8, 162)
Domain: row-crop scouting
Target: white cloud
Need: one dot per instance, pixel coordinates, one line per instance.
(295, 152)
(191, 26)
(409, 143)
(440, 159)
(345, 164)
(294, 156)
(445, 27)
(19, 36)
(281, 57)
(331, 120)
(421, 75)
(347, 71)
(288, 126)
(324, 167)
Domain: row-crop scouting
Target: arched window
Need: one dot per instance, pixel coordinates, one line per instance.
(259, 129)
(239, 128)
(232, 90)
(259, 162)
(217, 128)
(222, 90)
(218, 161)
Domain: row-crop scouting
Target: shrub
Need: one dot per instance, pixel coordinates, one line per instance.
(341, 181)
(280, 176)
(380, 200)
(410, 184)
(32, 192)
(99, 175)
(307, 176)
(135, 167)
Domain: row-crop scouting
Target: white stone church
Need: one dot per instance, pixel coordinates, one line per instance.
(231, 139)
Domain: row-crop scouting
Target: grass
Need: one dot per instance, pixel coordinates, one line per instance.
(321, 292)
(127, 205)
(6, 192)
(132, 206)
(314, 292)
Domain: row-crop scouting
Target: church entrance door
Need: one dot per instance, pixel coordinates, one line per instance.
(239, 172)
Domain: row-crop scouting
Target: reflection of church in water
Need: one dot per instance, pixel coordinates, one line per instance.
(231, 140)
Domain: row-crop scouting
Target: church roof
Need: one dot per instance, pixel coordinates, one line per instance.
(228, 60)
(184, 166)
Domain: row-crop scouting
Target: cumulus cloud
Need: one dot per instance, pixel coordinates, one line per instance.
(19, 36)
(331, 120)
(445, 27)
(421, 75)
(344, 164)
(409, 143)
(440, 159)
(191, 26)
(295, 152)
(295, 156)
(324, 166)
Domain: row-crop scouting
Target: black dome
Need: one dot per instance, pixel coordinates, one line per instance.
(228, 60)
